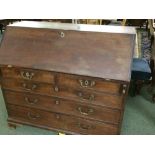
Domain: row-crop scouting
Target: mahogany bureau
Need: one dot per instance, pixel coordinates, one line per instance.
(66, 77)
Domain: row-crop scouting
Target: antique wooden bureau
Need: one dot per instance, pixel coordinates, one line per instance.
(66, 77)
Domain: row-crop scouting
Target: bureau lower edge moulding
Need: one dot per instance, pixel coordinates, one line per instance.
(65, 77)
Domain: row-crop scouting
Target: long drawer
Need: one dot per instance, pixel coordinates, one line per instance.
(59, 121)
(74, 81)
(60, 105)
(103, 99)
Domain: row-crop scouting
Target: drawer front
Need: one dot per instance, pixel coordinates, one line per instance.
(63, 106)
(28, 86)
(89, 83)
(73, 81)
(27, 74)
(88, 96)
(59, 121)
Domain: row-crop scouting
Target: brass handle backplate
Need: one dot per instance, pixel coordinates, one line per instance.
(56, 88)
(28, 101)
(26, 87)
(32, 116)
(86, 83)
(90, 97)
(57, 102)
(26, 75)
(87, 112)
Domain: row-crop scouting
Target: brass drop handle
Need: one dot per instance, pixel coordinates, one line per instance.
(86, 83)
(56, 88)
(91, 97)
(26, 87)
(57, 102)
(84, 126)
(57, 116)
(89, 111)
(28, 101)
(26, 75)
(33, 117)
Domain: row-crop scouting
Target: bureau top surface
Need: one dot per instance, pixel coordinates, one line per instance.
(89, 50)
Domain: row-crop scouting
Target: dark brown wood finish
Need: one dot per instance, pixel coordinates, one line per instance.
(87, 96)
(66, 77)
(96, 84)
(57, 120)
(27, 74)
(63, 106)
(101, 85)
(75, 53)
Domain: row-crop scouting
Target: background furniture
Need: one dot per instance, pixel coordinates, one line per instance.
(135, 22)
(148, 91)
(142, 69)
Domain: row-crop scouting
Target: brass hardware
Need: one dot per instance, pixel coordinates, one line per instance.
(84, 126)
(9, 66)
(85, 113)
(60, 133)
(57, 102)
(26, 75)
(56, 89)
(124, 88)
(86, 83)
(57, 116)
(31, 102)
(33, 117)
(29, 89)
(62, 34)
(90, 98)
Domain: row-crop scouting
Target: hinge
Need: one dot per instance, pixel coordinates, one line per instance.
(124, 88)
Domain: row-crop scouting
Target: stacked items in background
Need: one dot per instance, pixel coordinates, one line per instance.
(141, 70)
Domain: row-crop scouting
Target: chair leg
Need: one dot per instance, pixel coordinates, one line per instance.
(1, 28)
(135, 87)
(152, 71)
(132, 89)
(139, 84)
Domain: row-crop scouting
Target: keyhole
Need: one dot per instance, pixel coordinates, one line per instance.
(62, 34)
(86, 82)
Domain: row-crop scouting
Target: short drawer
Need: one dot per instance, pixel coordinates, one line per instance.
(60, 105)
(88, 97)
(59, 122)
(28, 86)
(27, 74)
(96, 84)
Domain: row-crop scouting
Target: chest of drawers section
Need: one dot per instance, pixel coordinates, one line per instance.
(66, 77)
(70, 103)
